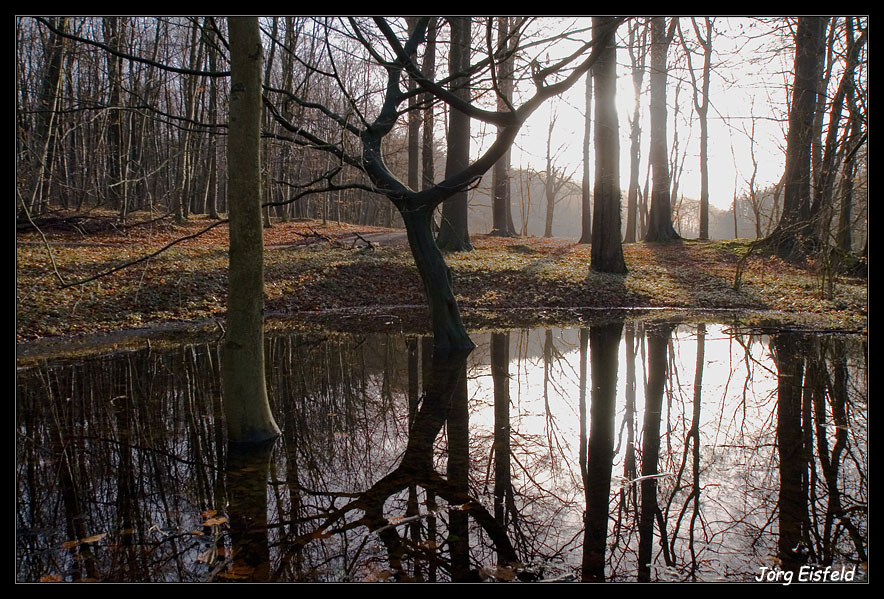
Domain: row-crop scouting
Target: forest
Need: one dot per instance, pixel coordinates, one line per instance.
(261, 196)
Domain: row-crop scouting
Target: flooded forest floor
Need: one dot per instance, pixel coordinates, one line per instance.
(335, 273)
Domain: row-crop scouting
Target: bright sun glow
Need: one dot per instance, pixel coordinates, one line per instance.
(747, 84)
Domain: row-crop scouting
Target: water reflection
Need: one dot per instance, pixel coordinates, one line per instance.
(619, 452)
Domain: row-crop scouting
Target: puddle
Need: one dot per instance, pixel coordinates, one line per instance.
(545, 454)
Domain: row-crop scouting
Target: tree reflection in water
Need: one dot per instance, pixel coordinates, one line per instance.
(620, 452)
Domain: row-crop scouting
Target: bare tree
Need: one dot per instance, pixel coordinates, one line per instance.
(246, 405)
(501, 201)
(701, 105)
(429, 72)
(454, 234)
(638, 53)
(416, 207)
(855, 140)
(824, 181)
(46, 122)
(607, 251)
(554, 178)
(340, 125)
(660, 218)
(585, 195)
(809, 46)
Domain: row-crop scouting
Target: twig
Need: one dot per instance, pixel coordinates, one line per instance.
(45, 243)
(370, 245)
(142, 258)
(223, 331)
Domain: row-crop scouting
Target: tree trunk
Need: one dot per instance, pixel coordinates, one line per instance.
(585, 199)
(46, 122)
(658, 342)
(414, 124)
(501, 211)
(448, 329)
(428, 147)
(824, 186)
(844, 236)
(796, 180)
(660, 218)
(638, 71)
(702, 108)
(607, 251)
(789, 350)
(454, 232)
(549, 183)
(112, 34)
(249, 419)
(604, 341)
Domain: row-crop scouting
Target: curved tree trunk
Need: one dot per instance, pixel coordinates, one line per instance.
(448, 329)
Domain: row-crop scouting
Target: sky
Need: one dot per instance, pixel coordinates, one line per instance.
(745, 82)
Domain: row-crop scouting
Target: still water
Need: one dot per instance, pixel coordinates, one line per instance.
(628, 451)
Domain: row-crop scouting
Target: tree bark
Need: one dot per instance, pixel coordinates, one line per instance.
(658, 342)
(585, 196)
(46, 122)
(428, 146)
(246, 405)
(448, 330)
(607, 251)
(789, 350)
(604, 341)
(796, 180)
(702, 109)
(501, 211)
(638, 71)
(454, 234)
(660, 218)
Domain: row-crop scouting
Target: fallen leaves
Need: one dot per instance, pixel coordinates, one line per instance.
(84, 541)
(188, 282)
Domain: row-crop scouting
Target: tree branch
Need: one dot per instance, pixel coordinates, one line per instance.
(131, 57)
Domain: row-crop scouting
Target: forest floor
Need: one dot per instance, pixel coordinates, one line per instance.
(343, 275)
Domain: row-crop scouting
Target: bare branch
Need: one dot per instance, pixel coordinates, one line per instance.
(131, 57)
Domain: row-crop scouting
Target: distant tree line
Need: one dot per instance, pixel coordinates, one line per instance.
(127, 114)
